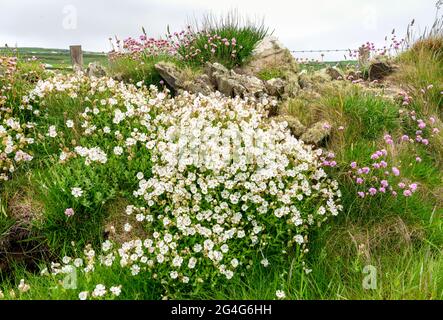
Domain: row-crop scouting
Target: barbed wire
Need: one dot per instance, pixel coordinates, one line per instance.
(325, 50)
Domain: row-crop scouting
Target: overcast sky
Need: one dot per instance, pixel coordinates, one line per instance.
(299, 24)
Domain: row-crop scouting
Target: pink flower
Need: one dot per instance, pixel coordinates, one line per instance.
(384, 183)
(353, 165)
(69, 212)
(425, 142)
(435, 130)
(394, 193)
(418, 159)
(395, 171)
(382, 190)
(365, 170)
(401, 185)
(421, 124)
(413, 187)
(372, 191)
(361, 194)
(383, 164)
(359, 180)
(407, 193)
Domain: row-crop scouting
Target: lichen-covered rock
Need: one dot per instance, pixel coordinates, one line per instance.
(231, 84)
(317, 134)
(275, 87)
(171, 74)
(95, 70)
(201, 84)
(311, 81)
(228, 86)
(214, 69)
(270, 53)
(334, 73)
(296, 127)
(379, 69)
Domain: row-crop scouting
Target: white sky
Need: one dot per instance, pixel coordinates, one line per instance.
(300, 25)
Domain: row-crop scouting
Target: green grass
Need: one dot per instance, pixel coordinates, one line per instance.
(247, 34)
(133, 70)
(59, 59)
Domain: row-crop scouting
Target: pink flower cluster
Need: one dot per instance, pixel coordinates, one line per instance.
(423, 127)
(328, 160)
(201, 45)
(8, 65)
(186, 44)
(380, 177)
(392, 46)
(141, 46)
(69, 212)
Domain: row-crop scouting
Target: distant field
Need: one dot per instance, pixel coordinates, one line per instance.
(55, 58)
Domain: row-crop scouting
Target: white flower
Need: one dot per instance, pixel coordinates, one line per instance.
(106, 246)
(265, 262)
(280, 294)
(70, 123)
(140, 175)
(76, 192)
(23, 287)
(66, 259)
(78, 262)
(83, 295)
(118, 150)
(127, 227)
(299, 239)
(52, 132)
(99, 291)
(116, 290)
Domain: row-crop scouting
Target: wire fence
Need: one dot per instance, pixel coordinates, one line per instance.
(319, 51)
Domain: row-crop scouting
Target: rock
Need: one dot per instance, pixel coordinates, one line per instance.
(232, 84)
(202, 84)
(296, 127)
(95, 70)
(171, 74)
(379, 69)
(179, 81)
(275, 87)
(213, 69)
(253, 85)
(217, 77)
(270, 53)
(312, 81)
(229, 86)
(334, 73)
(317, 134)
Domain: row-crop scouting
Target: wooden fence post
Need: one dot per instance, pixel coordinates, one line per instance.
(76, 57)
(363, 56)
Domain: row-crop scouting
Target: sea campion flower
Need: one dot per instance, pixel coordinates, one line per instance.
(76, 192)
(280, 294)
